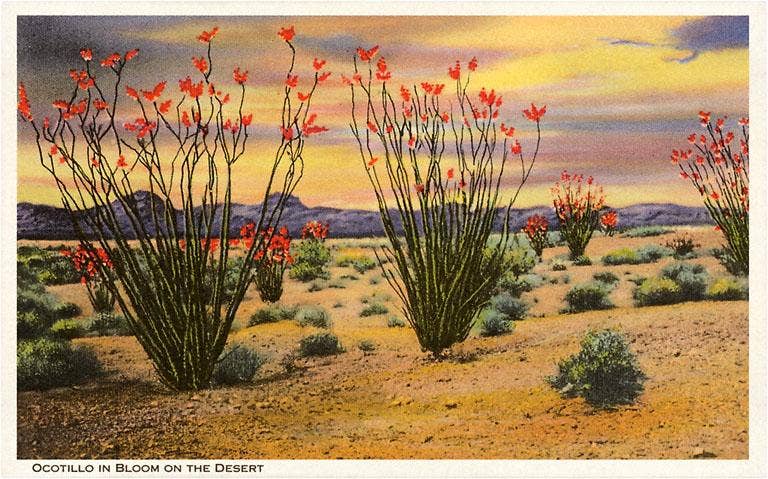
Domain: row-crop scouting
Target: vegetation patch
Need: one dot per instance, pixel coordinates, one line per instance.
(588, 297)
(45, 363)
(321, 344)
(605, 372)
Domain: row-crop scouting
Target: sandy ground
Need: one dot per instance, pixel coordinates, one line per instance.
(489, 400)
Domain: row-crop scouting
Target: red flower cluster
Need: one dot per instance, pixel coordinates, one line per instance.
(535, 114)
(309, 128)
(367, 55)
(240, 77)
(287, 34)
(276, 248)
(23, 104)
(192, 89)
(314, 230)
(206, 37)
(609, 221)
(88, 261)
(141, 127)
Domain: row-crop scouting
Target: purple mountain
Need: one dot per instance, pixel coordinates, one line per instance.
(49, 222)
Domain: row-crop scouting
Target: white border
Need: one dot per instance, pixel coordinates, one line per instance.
(755, 466)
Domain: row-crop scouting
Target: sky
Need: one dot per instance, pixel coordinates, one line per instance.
(621, 92)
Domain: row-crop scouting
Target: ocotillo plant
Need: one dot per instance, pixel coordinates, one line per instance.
(312, 255)
(87, 263)
(536, 230)
(439, 264)
(577, 202)
(719, 169)
(184, 151)
(608, 222)
(275, 256)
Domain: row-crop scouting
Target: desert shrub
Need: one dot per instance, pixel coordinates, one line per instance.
(67, 310)
(554, 238)
(646, 231)
(374, 280)
(350, 277)
(237, 364)
(606, 277)
(67, 329)
(605, 372)
(727, 289)
(46, 363)
(520, 285)
(395, 322)
(373, 309)
(364, 264)
(336, 284)
(521, 260)
(558, 265)
(366, 346)
(316, 286)
(587, 297)
(58, 270)
(310, 261)
(683, 245)
(272, 314)
(566, 279)
(620, 256)
(656, 291)
(108, 324)
(30, 324)
(690, 277)
(313, 316)
(494, 323)
(321, 344)
(637, 280)
(729, 261)
(652, 252)
(582, 260)
(513, 308)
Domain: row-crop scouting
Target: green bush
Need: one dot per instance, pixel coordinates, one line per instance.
(67, 310)
(395, 322)
(652, 252)
(494, 323)
(683, 245)
(605, 372)
(321, 344)
(109, 324)
(58, 270)
(620, 256)
(514, 309)
(364, 264)
(588, 297)
(68, 329)
(646, 231)
(606, 277)
(311, 260)
(366, 346)
(272, 314)
(29, 324)
(558, 265)
(728, 289)
(313, 316)
(237, 364)
(46, 363)
(520, 285)
(373, 309)
(316, 286)
(656, 291)
(690, 277)
(582, 260)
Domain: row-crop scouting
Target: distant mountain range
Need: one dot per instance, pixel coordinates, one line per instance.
(49, 222)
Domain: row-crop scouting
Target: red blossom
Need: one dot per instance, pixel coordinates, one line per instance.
(373, 127)
(240, 77)
(131, 92)
(121, 163)
(373, 161)
(111, 60)
(314, 230)
(535, 114)
(367, 55)
(86, 54)
(323, 76)
(309, 127)
(131, 54)
(405, 94)
(201, 64)
(23, 104)
(291, 81)
(516, 148)
(287, 133)
(472, 64)
(206, 37)
(165, 106)
(287, 34)
(100, 104)
(247, 119)
(455, 72)
(318, 64)
(155, 93)
(302, 96)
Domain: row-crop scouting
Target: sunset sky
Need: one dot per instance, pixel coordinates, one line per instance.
(620, 91)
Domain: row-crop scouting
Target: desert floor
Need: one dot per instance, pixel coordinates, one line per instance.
(487, 400)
